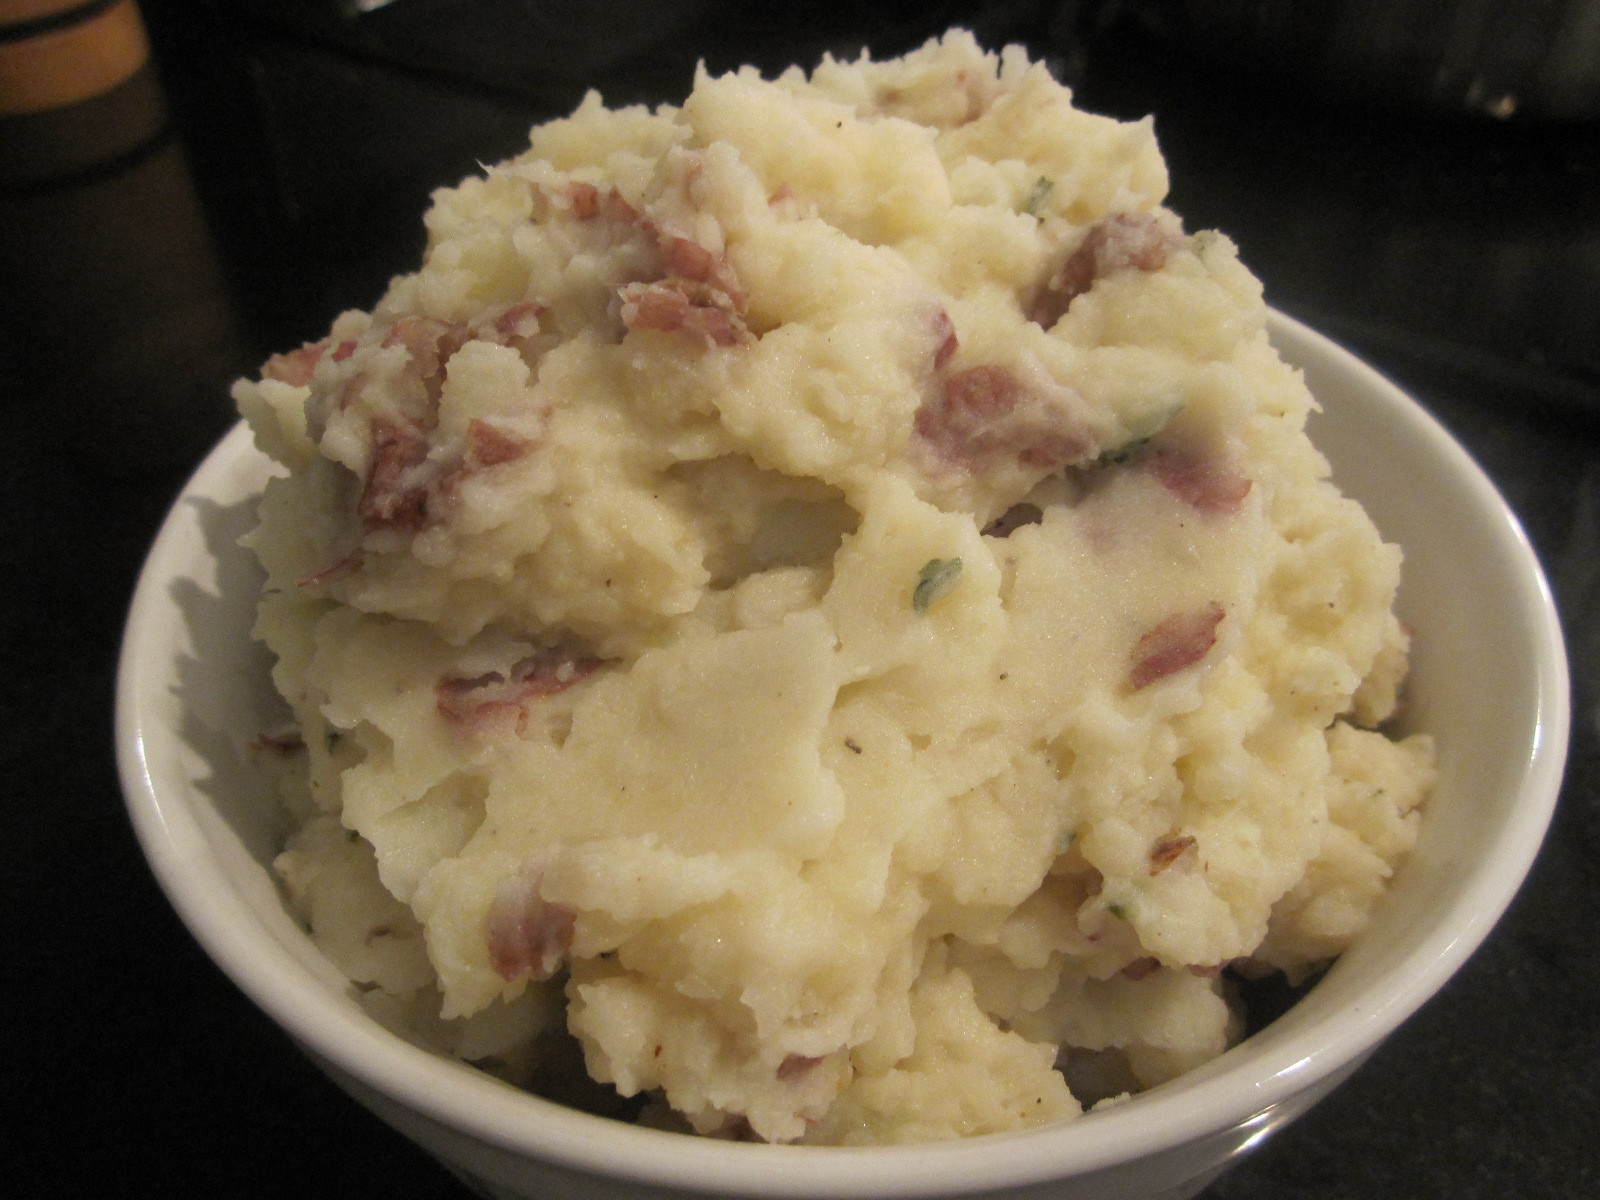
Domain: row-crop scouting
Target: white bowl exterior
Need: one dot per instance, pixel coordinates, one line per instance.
(1176, 1173)
(1489, 680)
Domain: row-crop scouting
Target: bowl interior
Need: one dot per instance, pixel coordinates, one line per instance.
(1489, 681)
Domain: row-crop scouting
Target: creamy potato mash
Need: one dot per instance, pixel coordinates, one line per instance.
(824, 592)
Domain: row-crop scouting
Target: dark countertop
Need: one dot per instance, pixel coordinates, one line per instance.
(159, 241)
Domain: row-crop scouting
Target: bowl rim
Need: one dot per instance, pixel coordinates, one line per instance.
(472, 1103)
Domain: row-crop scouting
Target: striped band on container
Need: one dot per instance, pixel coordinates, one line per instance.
(55, 53)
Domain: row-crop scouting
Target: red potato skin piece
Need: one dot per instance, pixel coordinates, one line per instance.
(389, 500)
(589, 202)
(1201, 480)
(1114, 243)
(969, 402)
(698, 295)
(430, 342)
(686, 258)
(1168, 851)
(654, 306)
(689, 260)
(1179, 641)
(490, 446)
(683, 306)
(386, 502)
(477, 704)
(984, 414)
(528, 937)
(398, 445)
(487, 446)
(395, 494)
(585, 199)
(295, 367)
(945, 331)
(985, 391)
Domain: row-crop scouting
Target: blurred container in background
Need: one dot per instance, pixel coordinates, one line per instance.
(54, 53)
(119, 339)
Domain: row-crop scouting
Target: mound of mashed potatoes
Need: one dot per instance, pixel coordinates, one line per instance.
(823, 595)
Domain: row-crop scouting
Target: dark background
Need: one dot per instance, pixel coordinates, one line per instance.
(1426, 190)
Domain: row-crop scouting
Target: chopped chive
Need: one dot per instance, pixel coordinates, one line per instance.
(1121, 454)
(1039, 196)
(1140, 435)
(937, 577)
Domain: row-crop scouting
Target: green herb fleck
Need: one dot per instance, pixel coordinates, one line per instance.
(1141, 433)
(1203, 241)
(936, 578)
(1117, 911)
(1039, 196)
(1121, 454)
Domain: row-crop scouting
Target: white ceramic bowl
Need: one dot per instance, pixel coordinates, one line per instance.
(1489, 681)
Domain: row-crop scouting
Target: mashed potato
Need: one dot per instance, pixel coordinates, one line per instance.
(824, 592)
